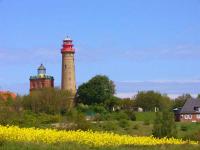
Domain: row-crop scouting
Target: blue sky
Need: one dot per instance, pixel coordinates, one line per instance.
(131, 41)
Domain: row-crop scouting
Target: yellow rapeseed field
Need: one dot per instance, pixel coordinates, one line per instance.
(49, 136)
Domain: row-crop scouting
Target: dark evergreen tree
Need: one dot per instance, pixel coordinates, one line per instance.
(168, 124)
(164, 125)
(157, 126)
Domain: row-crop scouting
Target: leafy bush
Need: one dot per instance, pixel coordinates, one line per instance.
(195, 136)
(124, 123)
(136, 126)
(114, 116)
(184, 128)
(164, 125)
(27, 118)
(146, 122)
(78, 120)
(110, 126)
(112, 103)
(82, 108)
(97, 117)
(91, 109)
(119, 115)
(131, 115)
(99, 109)
(50, 101)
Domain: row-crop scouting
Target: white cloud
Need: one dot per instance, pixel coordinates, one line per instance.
(131, 95)
(170, 87)
(177, 52)
(162, 81)
(85, 53)
(28, 56)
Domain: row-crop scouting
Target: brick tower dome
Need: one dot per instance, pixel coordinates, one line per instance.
(41, 80)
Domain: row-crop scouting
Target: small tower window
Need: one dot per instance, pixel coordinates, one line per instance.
(65, 66)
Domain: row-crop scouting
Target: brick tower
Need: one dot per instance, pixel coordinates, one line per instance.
(41, 80)
(68, 70)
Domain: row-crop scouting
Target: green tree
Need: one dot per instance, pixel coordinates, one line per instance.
(164, 125)
(180, 101)
(157, 126)
(96, 90)
(9, 101)
(127, 104)
(112, 103)
(47, 100)
(150, 99)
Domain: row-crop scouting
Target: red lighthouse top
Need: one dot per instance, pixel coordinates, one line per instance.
(67, 46)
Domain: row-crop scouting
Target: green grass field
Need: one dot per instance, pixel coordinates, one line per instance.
(144, 116)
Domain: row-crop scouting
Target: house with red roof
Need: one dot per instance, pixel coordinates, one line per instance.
(6, 94)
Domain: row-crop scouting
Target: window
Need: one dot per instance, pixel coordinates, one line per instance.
(65, 66)
(198, 116)
(188, 116)
(197, 109)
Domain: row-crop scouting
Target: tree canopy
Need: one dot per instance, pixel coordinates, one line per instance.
(150, 99)
(47, 100)
(97, 90)
(180, 101)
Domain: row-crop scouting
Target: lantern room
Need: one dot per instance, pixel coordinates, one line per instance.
(41, 70)
(67, 46)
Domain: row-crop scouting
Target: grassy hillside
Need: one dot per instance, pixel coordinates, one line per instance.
(144, 116)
